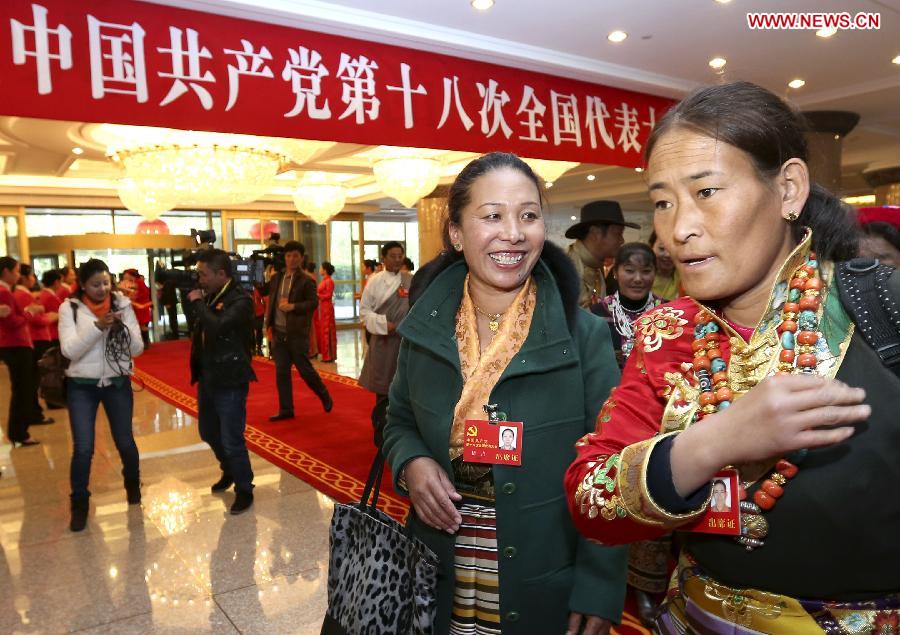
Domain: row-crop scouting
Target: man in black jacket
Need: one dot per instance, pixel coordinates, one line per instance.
(221, 345)
(292, 300)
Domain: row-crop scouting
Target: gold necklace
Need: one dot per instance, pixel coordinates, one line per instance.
(493, 319)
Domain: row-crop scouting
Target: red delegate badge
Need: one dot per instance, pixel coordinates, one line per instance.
(724, 513)
(498, 443)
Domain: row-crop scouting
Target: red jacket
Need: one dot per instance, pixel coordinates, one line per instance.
(259, 304)
(14, 327)
(606, 482)
(142, 302)
(51, 303)
(38, 326)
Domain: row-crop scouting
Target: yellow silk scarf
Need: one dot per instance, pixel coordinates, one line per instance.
(481, 372)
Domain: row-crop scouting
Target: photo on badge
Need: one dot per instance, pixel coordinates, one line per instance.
(507, 438)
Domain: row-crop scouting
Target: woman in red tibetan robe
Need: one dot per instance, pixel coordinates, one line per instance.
(758, 378)
(323, 318)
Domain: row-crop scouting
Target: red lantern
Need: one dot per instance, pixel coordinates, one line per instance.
(258, 230)
(153, 227)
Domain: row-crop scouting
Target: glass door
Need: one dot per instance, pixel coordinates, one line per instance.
(12, 237)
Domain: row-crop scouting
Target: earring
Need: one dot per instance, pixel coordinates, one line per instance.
(791, 216)
(457, 246)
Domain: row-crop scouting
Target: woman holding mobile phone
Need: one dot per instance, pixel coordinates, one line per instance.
(99, 334)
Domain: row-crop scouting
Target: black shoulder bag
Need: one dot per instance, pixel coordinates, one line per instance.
(52, 370)
(871, 294)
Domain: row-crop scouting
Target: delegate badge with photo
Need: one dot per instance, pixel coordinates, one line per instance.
(724, 513)
(498, 443)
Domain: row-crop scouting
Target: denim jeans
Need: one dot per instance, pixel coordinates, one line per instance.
(222, 417)
(118, 403)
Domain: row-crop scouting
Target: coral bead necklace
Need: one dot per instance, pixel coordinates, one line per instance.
(798, 336)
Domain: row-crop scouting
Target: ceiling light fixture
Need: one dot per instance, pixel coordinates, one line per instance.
(407, 178)
(723, 1)
(796, 83)
(319, 197)
(198, 169)
(865, 199)
(549, 170)
(896, 60)
(574, 217)
(639, 169)
(718, 63)
(828, 31)
(77, 150)
(591, 177)
(147, 197)
(548, 184)
(482, 5)
(617, 36)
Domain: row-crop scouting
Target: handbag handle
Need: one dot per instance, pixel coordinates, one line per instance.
(373, 483)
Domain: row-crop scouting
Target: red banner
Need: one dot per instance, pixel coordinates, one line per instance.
(122, 61)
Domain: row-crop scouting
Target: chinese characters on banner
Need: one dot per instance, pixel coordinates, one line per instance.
(140, 63)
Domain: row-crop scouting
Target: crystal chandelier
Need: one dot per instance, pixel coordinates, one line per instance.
(318, 197)
(194, 168)
(203, 176)
(147, 197)
(549, 170)
(407, 179)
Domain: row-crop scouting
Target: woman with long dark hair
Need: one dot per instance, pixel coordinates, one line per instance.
(496, 327)
(758, 378)
(100, 336)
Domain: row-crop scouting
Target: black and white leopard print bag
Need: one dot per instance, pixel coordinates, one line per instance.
(381, 579)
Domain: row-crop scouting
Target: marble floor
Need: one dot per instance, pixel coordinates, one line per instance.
(179, 563)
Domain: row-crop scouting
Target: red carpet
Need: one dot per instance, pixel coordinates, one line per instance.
(332, 452)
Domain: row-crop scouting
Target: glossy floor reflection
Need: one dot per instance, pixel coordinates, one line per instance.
(179, 563)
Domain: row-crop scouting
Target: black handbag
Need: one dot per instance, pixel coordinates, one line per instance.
(381, 579)
(52, 375)
(52, 370)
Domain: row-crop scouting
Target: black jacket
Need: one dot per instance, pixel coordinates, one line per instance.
(222, 339)
(302, 295)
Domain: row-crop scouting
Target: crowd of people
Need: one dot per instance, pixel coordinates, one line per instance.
(701, 417)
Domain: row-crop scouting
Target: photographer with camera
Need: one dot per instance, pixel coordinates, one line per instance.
(221, 350)
(100, 336)
(292, 300)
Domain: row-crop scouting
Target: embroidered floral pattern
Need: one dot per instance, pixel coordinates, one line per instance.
(664, 323)
(605, 414)
(592, 494)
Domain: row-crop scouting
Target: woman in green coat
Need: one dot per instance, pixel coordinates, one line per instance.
(496, 323)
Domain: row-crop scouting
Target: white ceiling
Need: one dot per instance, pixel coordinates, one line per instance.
(666, 53)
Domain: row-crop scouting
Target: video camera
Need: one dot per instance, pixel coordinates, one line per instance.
(249, 273)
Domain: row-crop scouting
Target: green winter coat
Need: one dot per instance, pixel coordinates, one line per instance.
(556, 385)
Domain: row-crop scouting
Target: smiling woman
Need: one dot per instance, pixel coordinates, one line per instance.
(495, 326)
(758, 371)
